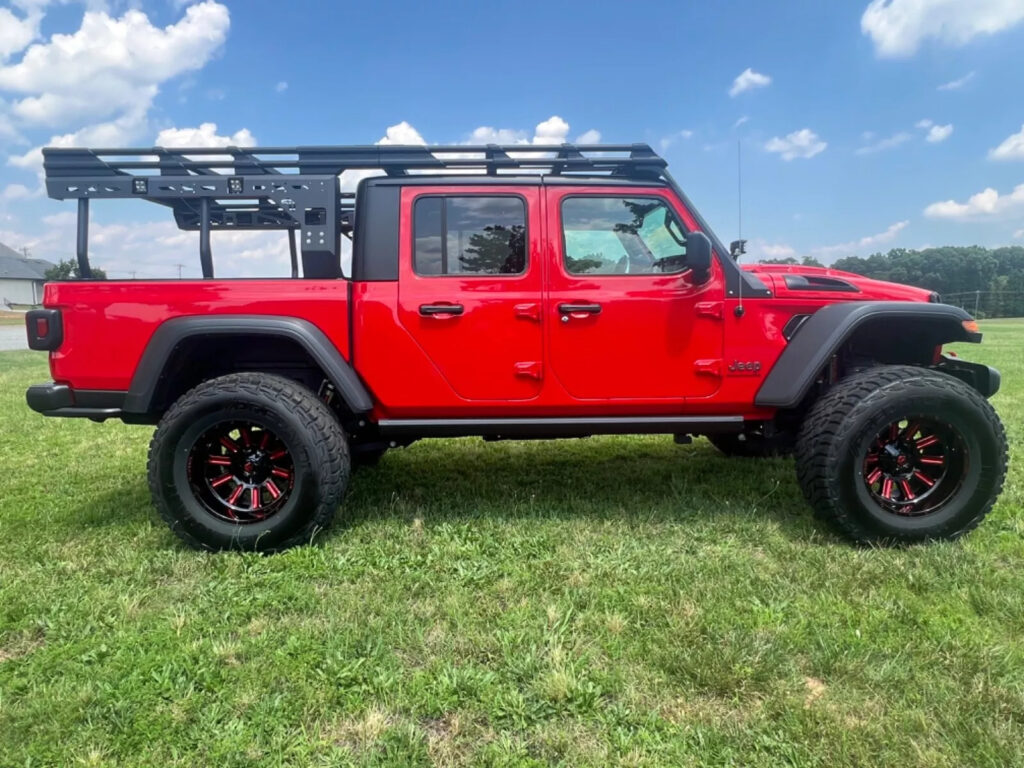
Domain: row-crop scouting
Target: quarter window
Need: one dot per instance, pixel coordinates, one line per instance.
(469, 236)
(622, 236)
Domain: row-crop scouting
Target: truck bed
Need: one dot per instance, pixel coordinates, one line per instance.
(101, 355)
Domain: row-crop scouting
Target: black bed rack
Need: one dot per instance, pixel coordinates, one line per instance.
(297, 188)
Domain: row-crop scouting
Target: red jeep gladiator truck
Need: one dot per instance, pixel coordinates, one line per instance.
(506, 292)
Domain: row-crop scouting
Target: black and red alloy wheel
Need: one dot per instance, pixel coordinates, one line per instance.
(240, 471)
(914, 466)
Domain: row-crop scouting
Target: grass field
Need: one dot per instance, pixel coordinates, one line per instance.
(12, 318)
(611, 601)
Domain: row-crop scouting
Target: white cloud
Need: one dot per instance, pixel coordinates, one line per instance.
(16, 33)
(889, 142)
(939, 133)
(8, 132)
(926, 123)
(281, 86)
(758, 250)
(401, 133)
(1012, 147)
(672, 138)
(123, 130)
(741, 121)
(487, 134)
(883, 237)
(985, 204)
(803, 143)
(1019, 234)
(552, 131)
(956, 85)
(864, 244)
(747, 80)
(110, 65)
(898, 27)
(16, 192)
(204, 136)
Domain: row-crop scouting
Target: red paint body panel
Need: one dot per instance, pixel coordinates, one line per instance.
(107, 324)
(646, 339)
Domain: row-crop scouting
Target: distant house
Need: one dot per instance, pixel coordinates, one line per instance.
(21, 279)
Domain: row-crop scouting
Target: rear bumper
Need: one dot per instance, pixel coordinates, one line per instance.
(52, 399)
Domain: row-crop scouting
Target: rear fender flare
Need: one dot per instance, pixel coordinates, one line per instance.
(828, 329)
(170, 334)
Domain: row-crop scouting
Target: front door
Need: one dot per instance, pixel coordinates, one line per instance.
(470, 287)
(626, 319)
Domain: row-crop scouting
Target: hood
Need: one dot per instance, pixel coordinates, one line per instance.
(796, 281)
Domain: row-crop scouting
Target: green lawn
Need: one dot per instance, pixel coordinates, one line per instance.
(611, 601)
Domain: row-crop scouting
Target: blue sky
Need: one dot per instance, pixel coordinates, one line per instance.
(834, 115)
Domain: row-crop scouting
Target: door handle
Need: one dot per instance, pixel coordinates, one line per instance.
(437, 310)
(573, 309)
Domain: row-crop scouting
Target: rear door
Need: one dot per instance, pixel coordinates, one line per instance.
(470, 286)
(627, 320)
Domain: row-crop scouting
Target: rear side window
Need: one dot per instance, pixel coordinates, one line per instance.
(469, 235)
(622, 236)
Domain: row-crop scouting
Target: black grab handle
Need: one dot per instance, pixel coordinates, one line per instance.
(441, 309)
(569, 309)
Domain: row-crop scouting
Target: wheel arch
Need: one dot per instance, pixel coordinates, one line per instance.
(887, 331)
(184, 351)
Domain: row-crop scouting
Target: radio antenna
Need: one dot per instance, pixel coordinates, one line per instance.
(739, 191)
(739, 224)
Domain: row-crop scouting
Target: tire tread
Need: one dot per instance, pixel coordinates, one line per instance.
(330, 452)
(818, 442)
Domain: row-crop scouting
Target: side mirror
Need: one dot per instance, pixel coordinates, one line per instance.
(698, 256)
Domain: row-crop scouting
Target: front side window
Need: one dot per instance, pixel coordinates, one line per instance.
(471, 235)
(622, 236)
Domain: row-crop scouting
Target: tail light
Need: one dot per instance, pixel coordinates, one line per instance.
(45, 329)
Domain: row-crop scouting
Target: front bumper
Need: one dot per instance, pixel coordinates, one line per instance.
(52, 399)
(983, 378)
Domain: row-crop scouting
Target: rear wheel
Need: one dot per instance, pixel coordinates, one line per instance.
(248, 461)
(901, 454)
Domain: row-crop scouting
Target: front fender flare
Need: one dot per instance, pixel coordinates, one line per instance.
(171, 333)
(822, 335)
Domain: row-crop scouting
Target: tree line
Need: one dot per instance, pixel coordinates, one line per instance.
(988, 281)
(67, 269)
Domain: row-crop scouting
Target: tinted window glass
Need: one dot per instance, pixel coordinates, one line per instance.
(469, 236)
(622, 236)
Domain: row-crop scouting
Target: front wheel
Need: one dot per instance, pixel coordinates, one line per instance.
(248, 461)
(901, 454)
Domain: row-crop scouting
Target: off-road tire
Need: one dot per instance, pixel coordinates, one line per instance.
(845, 423)
(317, 452)
(752, 446)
